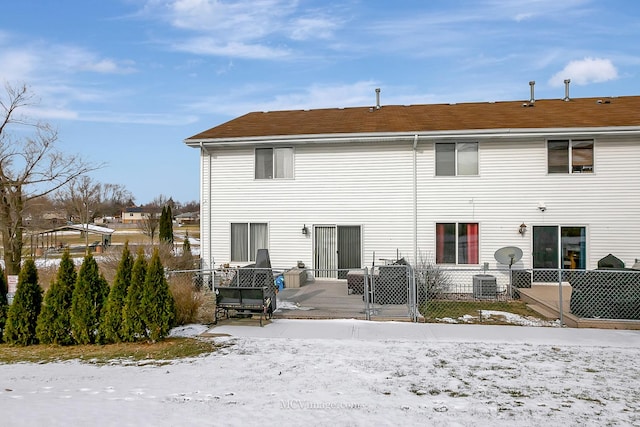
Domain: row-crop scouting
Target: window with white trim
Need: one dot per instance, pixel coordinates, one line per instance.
(274, 163)
(570, 156)
(456, 158)
(457, 243)
(246, 239)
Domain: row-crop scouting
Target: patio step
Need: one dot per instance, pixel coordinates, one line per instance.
(544, 311)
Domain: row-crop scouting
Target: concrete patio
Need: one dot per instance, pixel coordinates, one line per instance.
(329, 299)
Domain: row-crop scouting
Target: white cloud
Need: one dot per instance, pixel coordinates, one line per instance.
(71, 59)
(247, 29)
(17, 65)
(4, 36)
(524, 10)
(106, 116)
(250, 98)
(326, 96)
(28, 62)
(211, 46)
(524, 16)
(108, 66)
(51, 113)
(586, 71)
(161, 119)
(238, 20)
(313, 28)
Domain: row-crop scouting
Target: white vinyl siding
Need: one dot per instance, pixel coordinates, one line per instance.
(371, 185)
(331, 187)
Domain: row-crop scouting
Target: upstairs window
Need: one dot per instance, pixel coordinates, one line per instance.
(456, 158)
(457, 243)
(274, 163)
(570, 156)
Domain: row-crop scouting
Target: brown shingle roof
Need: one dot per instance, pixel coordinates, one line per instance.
(550, 113)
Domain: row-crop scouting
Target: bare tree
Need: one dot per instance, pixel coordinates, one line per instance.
(149, 225)
(30, 167)
(41, 213)
(158, 203)
(192, 206)
(151, 222)
(84, 199)
(114, 198)
(80, 199)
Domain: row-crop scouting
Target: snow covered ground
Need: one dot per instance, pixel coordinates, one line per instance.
(348, 372)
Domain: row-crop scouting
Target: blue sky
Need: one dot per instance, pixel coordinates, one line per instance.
(125, 81)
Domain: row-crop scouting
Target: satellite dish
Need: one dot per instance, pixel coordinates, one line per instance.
(508, 255)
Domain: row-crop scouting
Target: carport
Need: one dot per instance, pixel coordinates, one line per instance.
(49, 239)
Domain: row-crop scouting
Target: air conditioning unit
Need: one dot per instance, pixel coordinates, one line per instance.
(484, 286)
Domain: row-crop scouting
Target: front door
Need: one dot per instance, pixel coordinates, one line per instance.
(337, 248)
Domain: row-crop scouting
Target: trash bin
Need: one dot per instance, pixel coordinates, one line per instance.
(280, 282)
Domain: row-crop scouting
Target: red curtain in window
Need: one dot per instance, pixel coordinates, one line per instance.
(472, 243)
(440, 237)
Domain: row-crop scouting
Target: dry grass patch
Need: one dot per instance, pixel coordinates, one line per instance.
(46, 275)
(161, 352)
(192, 306)
(435, 310)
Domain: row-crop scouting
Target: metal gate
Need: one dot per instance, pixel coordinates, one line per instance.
(390, 293)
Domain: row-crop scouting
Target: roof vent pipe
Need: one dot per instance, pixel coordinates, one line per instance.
(532, 83)
(377, 98)
(566, 90)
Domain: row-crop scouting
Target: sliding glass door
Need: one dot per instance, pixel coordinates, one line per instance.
(558, 247)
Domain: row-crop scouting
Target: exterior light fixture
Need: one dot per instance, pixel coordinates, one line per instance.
(522, 229)
(305, 230)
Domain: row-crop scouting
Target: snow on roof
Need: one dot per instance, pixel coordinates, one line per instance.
(81, 227)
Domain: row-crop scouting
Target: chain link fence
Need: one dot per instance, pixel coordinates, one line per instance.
(447, 293)
(452, 295)
(604, 294)
(390, 292)
(385, 292)
(435, 293)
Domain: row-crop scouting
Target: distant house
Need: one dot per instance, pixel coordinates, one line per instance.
(46, 219)
(54, 218)
(188, 218)
(107, 220)
(134, 215)
(332, 187)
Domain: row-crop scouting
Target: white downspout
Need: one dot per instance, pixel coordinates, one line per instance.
(204, 151)
(415, 199)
